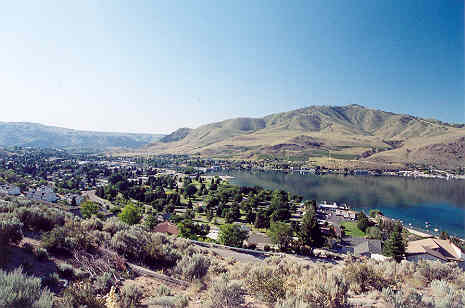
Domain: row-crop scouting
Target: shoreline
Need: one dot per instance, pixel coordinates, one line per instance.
(410, 223)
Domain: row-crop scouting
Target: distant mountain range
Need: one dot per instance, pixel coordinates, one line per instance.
(350, 132)
(43, 136)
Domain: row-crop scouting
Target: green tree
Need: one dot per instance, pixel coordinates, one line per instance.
(130, 214)
(374, 233)
(310, 232)
(232, 235)
(363, 222)
(89, 208)
(190, 190)
(261, 220)
(280, 234)
(150, 220)
(375, 212)
(394, 246)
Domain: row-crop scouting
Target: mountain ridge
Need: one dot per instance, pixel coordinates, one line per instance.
(350, 132)
(46, 136)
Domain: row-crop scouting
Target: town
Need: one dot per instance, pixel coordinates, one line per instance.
(177, 194)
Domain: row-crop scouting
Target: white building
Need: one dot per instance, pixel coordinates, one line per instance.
(10, 190)
(43, 193)
(77, 198)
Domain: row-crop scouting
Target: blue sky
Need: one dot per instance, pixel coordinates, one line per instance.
(154, 66)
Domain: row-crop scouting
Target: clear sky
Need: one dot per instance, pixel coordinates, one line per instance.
(154, 66)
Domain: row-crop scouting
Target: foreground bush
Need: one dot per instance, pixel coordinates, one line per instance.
(325, 289)
(19, 290)
(81, 295)
(226, 293)
(405, 299)
(262, 282)
(113, 225)
(130, 296)
(67, 238)
(170, 301)
(40, 218)
(137, 244)
(10, 230)
(447, 295)
(363, 277)
(194, 267)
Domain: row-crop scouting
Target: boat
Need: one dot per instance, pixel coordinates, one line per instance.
(436, 230)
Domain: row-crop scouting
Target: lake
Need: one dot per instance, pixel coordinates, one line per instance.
(412, 200)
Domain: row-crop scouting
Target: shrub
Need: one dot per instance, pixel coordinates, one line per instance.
(130, 296)
(92, 224)
(363, 277)
(435, 270)
(89, 208)
(101, 238)
(67, 238)
(65, 270)
(40, 218)
(326, 289)
(131, 243)
(226, 293)
(400, 299)
(292, 302)
(10, 230)
(447, 295)
(114, 225)
(82, 295)
(262, 282)
(161, 251)
(103, 283)
(194, 267)
(52, 280)
(40, 253)
(19, 290)
(170, 301)
(163, 290)
(130, 214)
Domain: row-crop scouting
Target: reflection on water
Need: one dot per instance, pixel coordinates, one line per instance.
(415, 201)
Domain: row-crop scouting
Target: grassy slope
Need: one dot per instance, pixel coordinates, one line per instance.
(311, 132)
(351, 229)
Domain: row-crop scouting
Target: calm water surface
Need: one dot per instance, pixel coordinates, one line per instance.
(414, 201)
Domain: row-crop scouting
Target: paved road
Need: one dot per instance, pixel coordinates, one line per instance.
(94, 198)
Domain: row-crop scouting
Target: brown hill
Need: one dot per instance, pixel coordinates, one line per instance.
(348, 132)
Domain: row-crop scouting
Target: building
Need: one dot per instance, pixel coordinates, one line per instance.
(166, 227)
(43, 193)
(369, 248)
(77, 198)
(347, 214)
(10, 190)
(433, 249)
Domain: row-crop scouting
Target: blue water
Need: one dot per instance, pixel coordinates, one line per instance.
(415, 201)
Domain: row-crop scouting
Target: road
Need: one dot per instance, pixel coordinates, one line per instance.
(90, 194)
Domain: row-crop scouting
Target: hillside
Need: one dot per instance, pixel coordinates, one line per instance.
(350, 132)
(38, 135)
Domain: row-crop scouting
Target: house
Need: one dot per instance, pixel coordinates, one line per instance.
(166, 227)
(433, 249)
(77, 198)
(10, 190)
(347, 214)
(368, 248)
(43, 193)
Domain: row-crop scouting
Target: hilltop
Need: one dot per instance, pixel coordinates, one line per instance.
(350, 132)
(43, 136)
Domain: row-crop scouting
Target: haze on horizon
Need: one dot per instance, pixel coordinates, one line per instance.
(155, 66)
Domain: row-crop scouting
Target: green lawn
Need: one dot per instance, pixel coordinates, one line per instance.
(351, 229)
